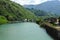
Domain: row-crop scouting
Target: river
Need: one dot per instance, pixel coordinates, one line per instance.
(23, 31)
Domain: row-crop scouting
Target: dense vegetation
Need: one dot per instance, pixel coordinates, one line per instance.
(11, 11)
(42, 14)
(38, 12)
(3, 20)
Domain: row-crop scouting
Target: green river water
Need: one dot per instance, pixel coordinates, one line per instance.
(23, 31)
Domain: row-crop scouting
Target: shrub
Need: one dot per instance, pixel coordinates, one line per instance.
(3, 20)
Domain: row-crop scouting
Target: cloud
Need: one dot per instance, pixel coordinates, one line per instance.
(53, 0)
(28, 2)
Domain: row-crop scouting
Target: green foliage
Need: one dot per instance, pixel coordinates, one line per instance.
(13, 11)
(41, 13)
(38, 12)
(3, 20)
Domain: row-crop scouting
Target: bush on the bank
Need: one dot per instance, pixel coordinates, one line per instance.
(3, 20)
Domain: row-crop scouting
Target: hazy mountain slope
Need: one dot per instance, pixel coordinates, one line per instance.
(49, 6)
(41, 13)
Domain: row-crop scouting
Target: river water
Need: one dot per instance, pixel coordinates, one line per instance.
(23, 31)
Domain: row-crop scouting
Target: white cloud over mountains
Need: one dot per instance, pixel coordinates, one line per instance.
(28, 2)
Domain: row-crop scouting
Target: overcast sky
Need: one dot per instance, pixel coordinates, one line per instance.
(29, 2)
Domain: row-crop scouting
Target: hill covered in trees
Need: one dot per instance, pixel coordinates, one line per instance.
(11, 11)
(42, 13)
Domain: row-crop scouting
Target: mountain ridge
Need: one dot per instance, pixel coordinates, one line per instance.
(49, 6)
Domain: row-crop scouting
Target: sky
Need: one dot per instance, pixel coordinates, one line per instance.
(29, 2)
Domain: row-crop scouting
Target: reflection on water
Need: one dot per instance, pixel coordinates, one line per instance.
(23, 31)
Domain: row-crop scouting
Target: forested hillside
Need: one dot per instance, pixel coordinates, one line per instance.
(41, 13)
(11, 11)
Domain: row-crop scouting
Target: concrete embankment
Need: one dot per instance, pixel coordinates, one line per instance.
(54, 33)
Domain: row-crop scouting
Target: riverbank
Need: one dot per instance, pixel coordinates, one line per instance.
(53, 31)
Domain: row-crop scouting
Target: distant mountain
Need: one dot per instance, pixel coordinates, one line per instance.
(40, 12)
(49, 6)
(11, 11)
